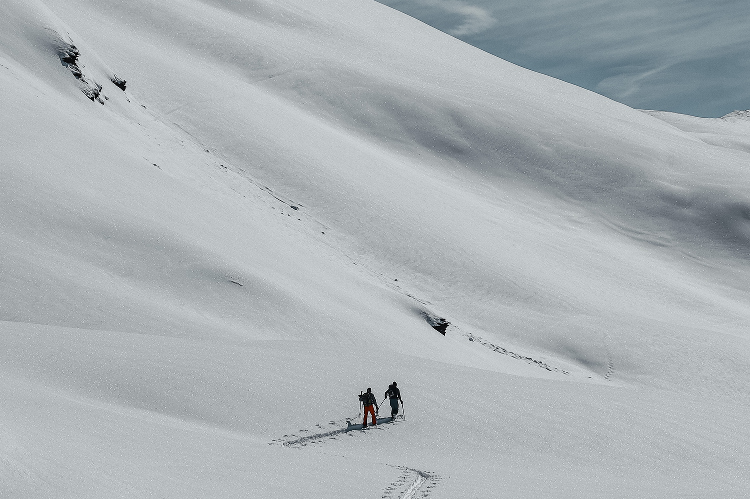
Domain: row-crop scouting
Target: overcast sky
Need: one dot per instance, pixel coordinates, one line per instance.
(686, 56)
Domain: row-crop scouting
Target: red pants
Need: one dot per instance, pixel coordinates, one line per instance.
(371, 410)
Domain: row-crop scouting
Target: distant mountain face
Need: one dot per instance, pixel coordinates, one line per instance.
(684, 57)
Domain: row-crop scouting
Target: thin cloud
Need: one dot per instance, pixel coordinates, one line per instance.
(464, 19)
(476, 20)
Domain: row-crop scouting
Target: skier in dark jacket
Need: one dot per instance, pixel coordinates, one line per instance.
(368, 400)
(394, 394)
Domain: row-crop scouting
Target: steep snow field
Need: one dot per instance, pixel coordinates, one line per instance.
(222, 219)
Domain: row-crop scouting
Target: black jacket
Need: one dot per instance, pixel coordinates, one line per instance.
(393, 392)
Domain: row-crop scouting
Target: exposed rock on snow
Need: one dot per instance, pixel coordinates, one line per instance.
(119, 82)
(436, 322)
(70, 58)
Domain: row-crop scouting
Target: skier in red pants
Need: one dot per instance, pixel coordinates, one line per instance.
(368, 400)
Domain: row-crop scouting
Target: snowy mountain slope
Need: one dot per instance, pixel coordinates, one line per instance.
(324, 92)
(224, 252)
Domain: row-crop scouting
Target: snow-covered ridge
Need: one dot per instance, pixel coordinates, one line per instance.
(737, 115)
(291, 201)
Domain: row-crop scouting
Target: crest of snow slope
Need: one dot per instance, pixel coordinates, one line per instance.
(271, 170)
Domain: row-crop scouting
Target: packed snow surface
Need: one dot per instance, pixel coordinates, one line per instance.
(220, 220)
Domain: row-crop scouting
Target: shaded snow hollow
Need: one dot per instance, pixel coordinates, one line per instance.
(290, 201)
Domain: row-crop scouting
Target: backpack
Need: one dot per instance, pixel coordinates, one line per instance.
(367, 399)
(393, 392)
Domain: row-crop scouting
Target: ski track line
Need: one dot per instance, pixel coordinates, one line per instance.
(342, 427)
(411, 493)
(505, 351)
(434, 319)
(411, 484)
(610, 361)
(310, 439)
